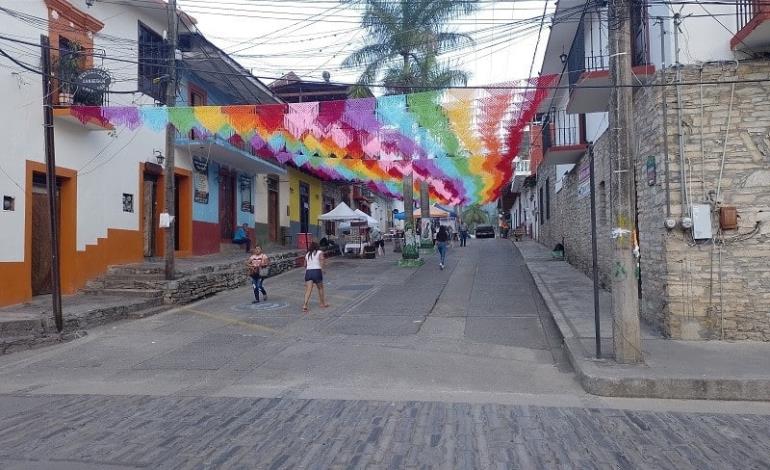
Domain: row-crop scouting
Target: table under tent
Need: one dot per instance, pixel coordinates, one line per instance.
(356, 222)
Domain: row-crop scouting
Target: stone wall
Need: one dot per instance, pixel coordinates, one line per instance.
(690, 289)
(719, 288)
(570, 222)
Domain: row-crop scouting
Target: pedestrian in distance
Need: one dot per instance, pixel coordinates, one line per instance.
(463, 234)
(259, 269)
(442, 239)
(241, 237)
(314, 268)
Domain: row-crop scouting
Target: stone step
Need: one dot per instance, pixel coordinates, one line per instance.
(131, 270)
(102, 315)
(132, 284)
(125, 292)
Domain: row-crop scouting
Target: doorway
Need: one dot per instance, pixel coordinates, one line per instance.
(272, 209)
(226, 203)
(41, 235)
(149, 213)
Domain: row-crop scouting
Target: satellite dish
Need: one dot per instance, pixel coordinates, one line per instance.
(326, 75)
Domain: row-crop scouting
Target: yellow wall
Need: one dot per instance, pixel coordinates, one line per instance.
(316, 191)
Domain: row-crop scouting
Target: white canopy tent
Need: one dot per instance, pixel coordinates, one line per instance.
(341, 213)
(370, 221)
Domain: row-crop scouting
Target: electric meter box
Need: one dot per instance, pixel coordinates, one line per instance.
(701, 221)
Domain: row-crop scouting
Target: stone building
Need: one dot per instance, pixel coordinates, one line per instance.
(707, 281)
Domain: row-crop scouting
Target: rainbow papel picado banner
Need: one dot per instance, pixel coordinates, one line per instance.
(461, 141)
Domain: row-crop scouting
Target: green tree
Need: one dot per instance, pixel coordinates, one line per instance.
(405, 38)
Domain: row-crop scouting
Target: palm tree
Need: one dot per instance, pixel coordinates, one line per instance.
(405, 38)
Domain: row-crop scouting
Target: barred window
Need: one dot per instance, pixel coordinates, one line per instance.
(153, 60)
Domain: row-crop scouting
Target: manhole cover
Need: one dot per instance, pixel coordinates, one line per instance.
(260, 307)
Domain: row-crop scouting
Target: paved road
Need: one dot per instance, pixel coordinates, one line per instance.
(459, 368)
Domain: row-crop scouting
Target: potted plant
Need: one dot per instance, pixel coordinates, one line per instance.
(66, 67)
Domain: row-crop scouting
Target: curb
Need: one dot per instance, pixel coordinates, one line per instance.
(606, 378)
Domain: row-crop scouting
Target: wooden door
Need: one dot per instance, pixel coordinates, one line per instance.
(226, 204)
(149, 218)
(41, 240)
(272, 215)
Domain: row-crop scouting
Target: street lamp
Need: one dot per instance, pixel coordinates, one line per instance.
(159, 157)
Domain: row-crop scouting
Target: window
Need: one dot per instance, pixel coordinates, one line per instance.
(547, 199)
(540, 204)
(152, 63)
(197, 98)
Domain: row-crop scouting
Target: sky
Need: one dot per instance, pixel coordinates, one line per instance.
(308, 37)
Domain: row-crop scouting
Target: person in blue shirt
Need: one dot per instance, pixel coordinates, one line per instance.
(241, 237)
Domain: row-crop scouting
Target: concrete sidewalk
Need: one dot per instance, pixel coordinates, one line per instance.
(719, 370)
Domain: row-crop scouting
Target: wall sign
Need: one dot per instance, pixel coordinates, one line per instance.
(93, 81)
(128, 202)
(201, 180)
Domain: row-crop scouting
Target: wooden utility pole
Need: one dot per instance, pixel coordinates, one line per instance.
(625, 301)
(51, 187)
(424, 211)
(408, 204)
(170, 199)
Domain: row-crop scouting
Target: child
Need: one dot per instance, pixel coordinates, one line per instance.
(258, 265)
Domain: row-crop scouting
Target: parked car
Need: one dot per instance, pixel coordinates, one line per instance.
(485, 231)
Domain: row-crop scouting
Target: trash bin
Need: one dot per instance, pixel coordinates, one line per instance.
(396, 245)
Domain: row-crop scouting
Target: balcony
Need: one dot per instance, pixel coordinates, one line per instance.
(521, 170)
(753, 21)
(564, 139)
(231, 152)
(588, 60)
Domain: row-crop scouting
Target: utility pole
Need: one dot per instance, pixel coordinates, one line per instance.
(408, 210)
(50, 168)
(170, 199)
(625, 301)
(425, 238)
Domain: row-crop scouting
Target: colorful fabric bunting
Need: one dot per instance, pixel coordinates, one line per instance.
(462, 142)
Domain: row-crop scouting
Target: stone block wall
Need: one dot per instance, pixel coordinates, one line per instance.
(690, 289)
(718, 288)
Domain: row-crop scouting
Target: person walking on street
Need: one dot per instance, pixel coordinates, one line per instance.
(463, 234)
(241, 237)
(259, 268)
(314, 267)
(442, 239)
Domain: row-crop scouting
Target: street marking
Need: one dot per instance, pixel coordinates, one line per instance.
(231, 320)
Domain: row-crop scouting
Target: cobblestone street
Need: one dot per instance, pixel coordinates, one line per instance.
(424, 368)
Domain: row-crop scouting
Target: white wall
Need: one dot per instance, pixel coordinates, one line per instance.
(21, 125)
(107, 163)
(702, 37)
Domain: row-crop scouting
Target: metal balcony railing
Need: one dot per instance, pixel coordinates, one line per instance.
(521, 168)
(561, 130)
(589, 51)
(746, 10)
